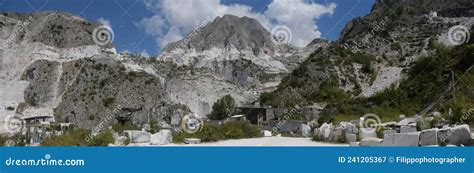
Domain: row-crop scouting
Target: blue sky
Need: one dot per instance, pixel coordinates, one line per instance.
(147, 25)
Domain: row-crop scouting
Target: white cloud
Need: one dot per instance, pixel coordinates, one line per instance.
(105, 22)
(300, 17)
(174, 19)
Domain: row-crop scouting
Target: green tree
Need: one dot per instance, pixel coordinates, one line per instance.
(223, 108)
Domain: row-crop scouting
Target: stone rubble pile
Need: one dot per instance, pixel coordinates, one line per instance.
(404, 133)
(326, 132)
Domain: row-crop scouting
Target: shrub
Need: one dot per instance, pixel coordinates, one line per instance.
(396, 46)
(380, 133)
(108, 101)
(341, 138)
(102, 139)
(75, 137)
(3, 140)
(154, 126)
(91, 117)
(54, 127)
(316, 138)
(223, 108)
(78, 137)
(127, 141)
(229, 130)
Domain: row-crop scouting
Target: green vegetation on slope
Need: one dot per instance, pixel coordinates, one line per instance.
(79, 137)
(315, 80)
(427, 82)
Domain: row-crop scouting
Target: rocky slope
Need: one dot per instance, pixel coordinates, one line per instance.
(237, 55)
(51, 66)
(376, 51)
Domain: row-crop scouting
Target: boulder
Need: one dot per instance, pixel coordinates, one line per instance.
(351, 128)
(326, 132)
(137, 136)
(354, 122)
(266, 133)
(443, 136)
(351, 138)
(429, 137)
(370, 142)
(367, 132)
(340, 132)
(192, 141)
(401, 139)
(407, 139)
(457, 135)
(146, 127)
(461, 135)
(163, 137)
(305, 130)
(408, 129)
(411, 121)
(344, 129)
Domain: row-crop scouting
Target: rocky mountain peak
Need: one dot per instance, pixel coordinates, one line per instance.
(53, 28)
(225, 32)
